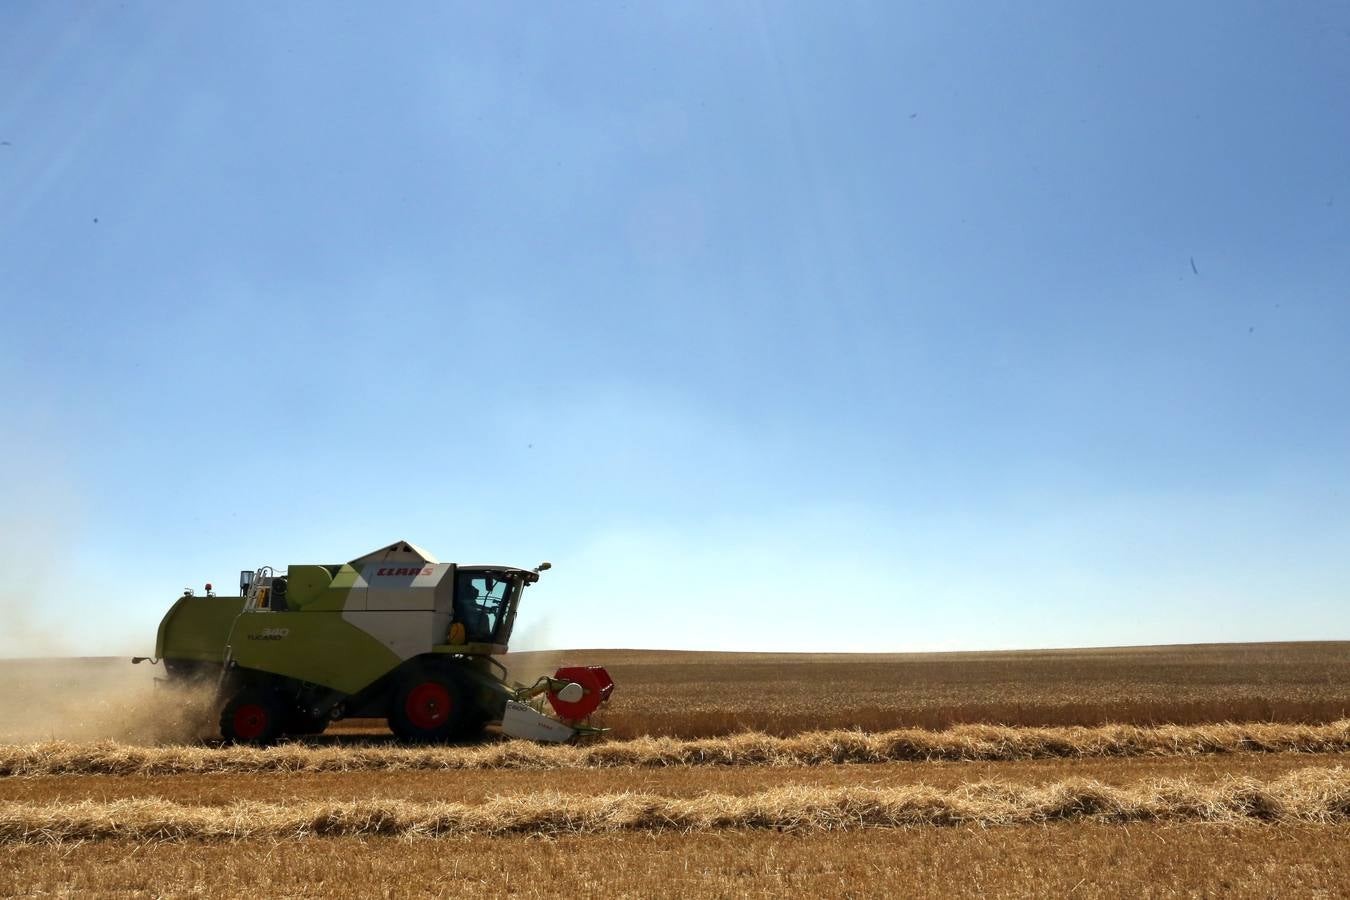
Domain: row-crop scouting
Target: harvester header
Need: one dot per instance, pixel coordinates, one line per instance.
(393, 634)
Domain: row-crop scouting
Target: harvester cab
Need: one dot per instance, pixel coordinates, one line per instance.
(393, 634)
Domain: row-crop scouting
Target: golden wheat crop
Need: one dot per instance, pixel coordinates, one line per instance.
(1075, 860)
(478, 785)
(713, 694)
(968, 742)
(1308, 796)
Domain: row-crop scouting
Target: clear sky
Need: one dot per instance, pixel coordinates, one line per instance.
(880, 326)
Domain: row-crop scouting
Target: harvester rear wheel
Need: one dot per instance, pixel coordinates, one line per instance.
(253, 716)
(428, 707)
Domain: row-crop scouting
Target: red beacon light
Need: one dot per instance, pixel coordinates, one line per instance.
(210, 591)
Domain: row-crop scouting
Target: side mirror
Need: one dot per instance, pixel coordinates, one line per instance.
(543, 567)
(245, 581)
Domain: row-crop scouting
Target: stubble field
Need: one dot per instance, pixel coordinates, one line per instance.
(1096, 772)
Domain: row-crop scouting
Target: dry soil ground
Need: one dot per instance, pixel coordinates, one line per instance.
(1102, 811)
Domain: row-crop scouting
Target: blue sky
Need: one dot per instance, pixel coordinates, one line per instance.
(774, 326)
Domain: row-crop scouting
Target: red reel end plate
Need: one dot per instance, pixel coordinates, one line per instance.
(596, 683)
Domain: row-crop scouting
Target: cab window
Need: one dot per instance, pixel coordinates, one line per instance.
(480, 601)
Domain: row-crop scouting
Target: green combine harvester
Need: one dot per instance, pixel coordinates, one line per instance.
(393, 634)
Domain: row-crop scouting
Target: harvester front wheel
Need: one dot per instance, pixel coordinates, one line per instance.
(253, 716)
(428, 706)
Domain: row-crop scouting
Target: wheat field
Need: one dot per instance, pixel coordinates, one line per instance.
(685, 694)
(1308, 796)
(1160, 771)
(1068, 860)
(956, 744)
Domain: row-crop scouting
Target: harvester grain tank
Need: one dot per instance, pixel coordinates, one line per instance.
(393, 634)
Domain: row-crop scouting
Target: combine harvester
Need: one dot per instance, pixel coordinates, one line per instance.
(393, 634)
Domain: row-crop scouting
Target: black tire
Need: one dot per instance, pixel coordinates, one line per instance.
(429, 707)
(253, 716)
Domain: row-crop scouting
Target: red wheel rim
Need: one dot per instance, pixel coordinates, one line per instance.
(428, 705)
(250, 721)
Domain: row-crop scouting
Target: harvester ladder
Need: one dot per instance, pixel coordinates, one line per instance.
(262, 578)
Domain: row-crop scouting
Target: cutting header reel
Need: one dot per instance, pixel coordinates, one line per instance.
(574, 693)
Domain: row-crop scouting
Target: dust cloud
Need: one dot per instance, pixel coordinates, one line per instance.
(52, 687)
(533, 652)
(35, 578)
(90, 699)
